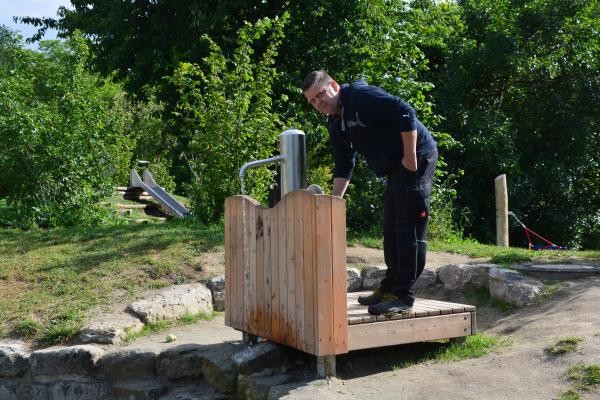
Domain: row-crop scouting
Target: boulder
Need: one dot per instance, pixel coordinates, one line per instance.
(512, 287)
(110, 328)
(372, 277)
(353, 279)
(174, 302)
(14, 360)
(77, 360)
(217, 288)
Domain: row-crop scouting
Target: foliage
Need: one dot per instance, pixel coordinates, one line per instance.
(519, 89)
(61, 141)
(227, 119)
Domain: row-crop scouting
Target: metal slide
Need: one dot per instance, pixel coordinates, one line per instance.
(159, 194)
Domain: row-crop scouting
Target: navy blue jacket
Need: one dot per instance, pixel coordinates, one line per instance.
(370, 122)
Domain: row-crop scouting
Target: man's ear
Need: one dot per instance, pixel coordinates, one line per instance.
(335, 85)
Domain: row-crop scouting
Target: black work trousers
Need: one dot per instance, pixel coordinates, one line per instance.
(404, 231)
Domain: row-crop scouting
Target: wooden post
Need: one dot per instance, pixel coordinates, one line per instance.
(501, 211)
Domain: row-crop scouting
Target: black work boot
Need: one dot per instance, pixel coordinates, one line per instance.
(391, 306)
(373, 298)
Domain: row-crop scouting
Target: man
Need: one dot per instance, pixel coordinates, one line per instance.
(394, 143)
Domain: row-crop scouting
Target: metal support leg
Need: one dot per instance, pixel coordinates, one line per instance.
(326, 366)
(249, 339)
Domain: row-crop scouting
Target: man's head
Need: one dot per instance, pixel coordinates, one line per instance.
(322, 92)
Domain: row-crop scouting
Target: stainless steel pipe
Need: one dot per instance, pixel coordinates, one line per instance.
(292, 158)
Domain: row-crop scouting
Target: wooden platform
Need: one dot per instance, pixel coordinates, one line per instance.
(428, 320)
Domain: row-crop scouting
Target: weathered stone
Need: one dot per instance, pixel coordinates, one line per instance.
(372, 277)
(36, 392)
(8, 389)
(14, 360)
(179, 362)
(194, 392)
(217, 288)
(428, 278)
(464, 276)
(127, 364)
(219, 370)
(174, 302)
(257, 386)
(110, 328)
(77, 390)
(76, 360)
(137, 390)
(512, 287)
(261, 356)
(353, 279)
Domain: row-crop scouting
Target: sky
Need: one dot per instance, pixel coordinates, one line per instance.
(29, 8)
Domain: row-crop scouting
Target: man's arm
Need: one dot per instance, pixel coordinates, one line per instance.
(339, 186)
(409, 144)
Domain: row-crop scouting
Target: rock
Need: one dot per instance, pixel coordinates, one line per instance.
(257, 386)
(372, 277)
(75, 390)
(138, 390)
(217, 288)
(512, 287)
(261, 356)
(174, 302)
(428, 278)
(8, 389)
(127, 364)
(76, 360)
(184, 361)
(219, 370)
(464, 276)
(110, 328)
(14, 360)
(36, 392)
(196, 391)
(353, 279)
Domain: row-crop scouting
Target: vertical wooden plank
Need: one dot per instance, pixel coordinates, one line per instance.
(238, 292)
(283, 277)
(324, 275)
(291, 270)
(259, 287)
(267, 274)
(250, 268)
(310, 244)
(228, 254)
(275, 278)
(340, 306)
(299, 196)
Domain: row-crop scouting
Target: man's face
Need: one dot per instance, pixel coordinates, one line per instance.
(324, 97)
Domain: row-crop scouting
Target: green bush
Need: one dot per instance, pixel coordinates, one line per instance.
(226, 115)
(61, 140)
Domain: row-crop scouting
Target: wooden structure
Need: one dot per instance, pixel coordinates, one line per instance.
(286, 282)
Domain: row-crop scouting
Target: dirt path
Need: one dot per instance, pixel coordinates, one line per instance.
(522, 370)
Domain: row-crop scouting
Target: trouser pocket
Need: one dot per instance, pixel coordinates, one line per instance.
(417, 206)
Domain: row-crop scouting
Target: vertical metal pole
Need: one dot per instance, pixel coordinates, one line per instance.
(293, 166)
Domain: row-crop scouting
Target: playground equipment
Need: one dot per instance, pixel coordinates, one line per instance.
(171, 205)
(285, 280)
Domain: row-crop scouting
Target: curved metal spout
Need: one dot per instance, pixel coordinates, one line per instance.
(257, 163)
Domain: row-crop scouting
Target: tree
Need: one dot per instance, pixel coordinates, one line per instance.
(61, 141)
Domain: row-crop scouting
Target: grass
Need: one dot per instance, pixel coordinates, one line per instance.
(162, 325)
(497, 255)
(565, 345)
(51, 279)
(584, 378)
(474, 346)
